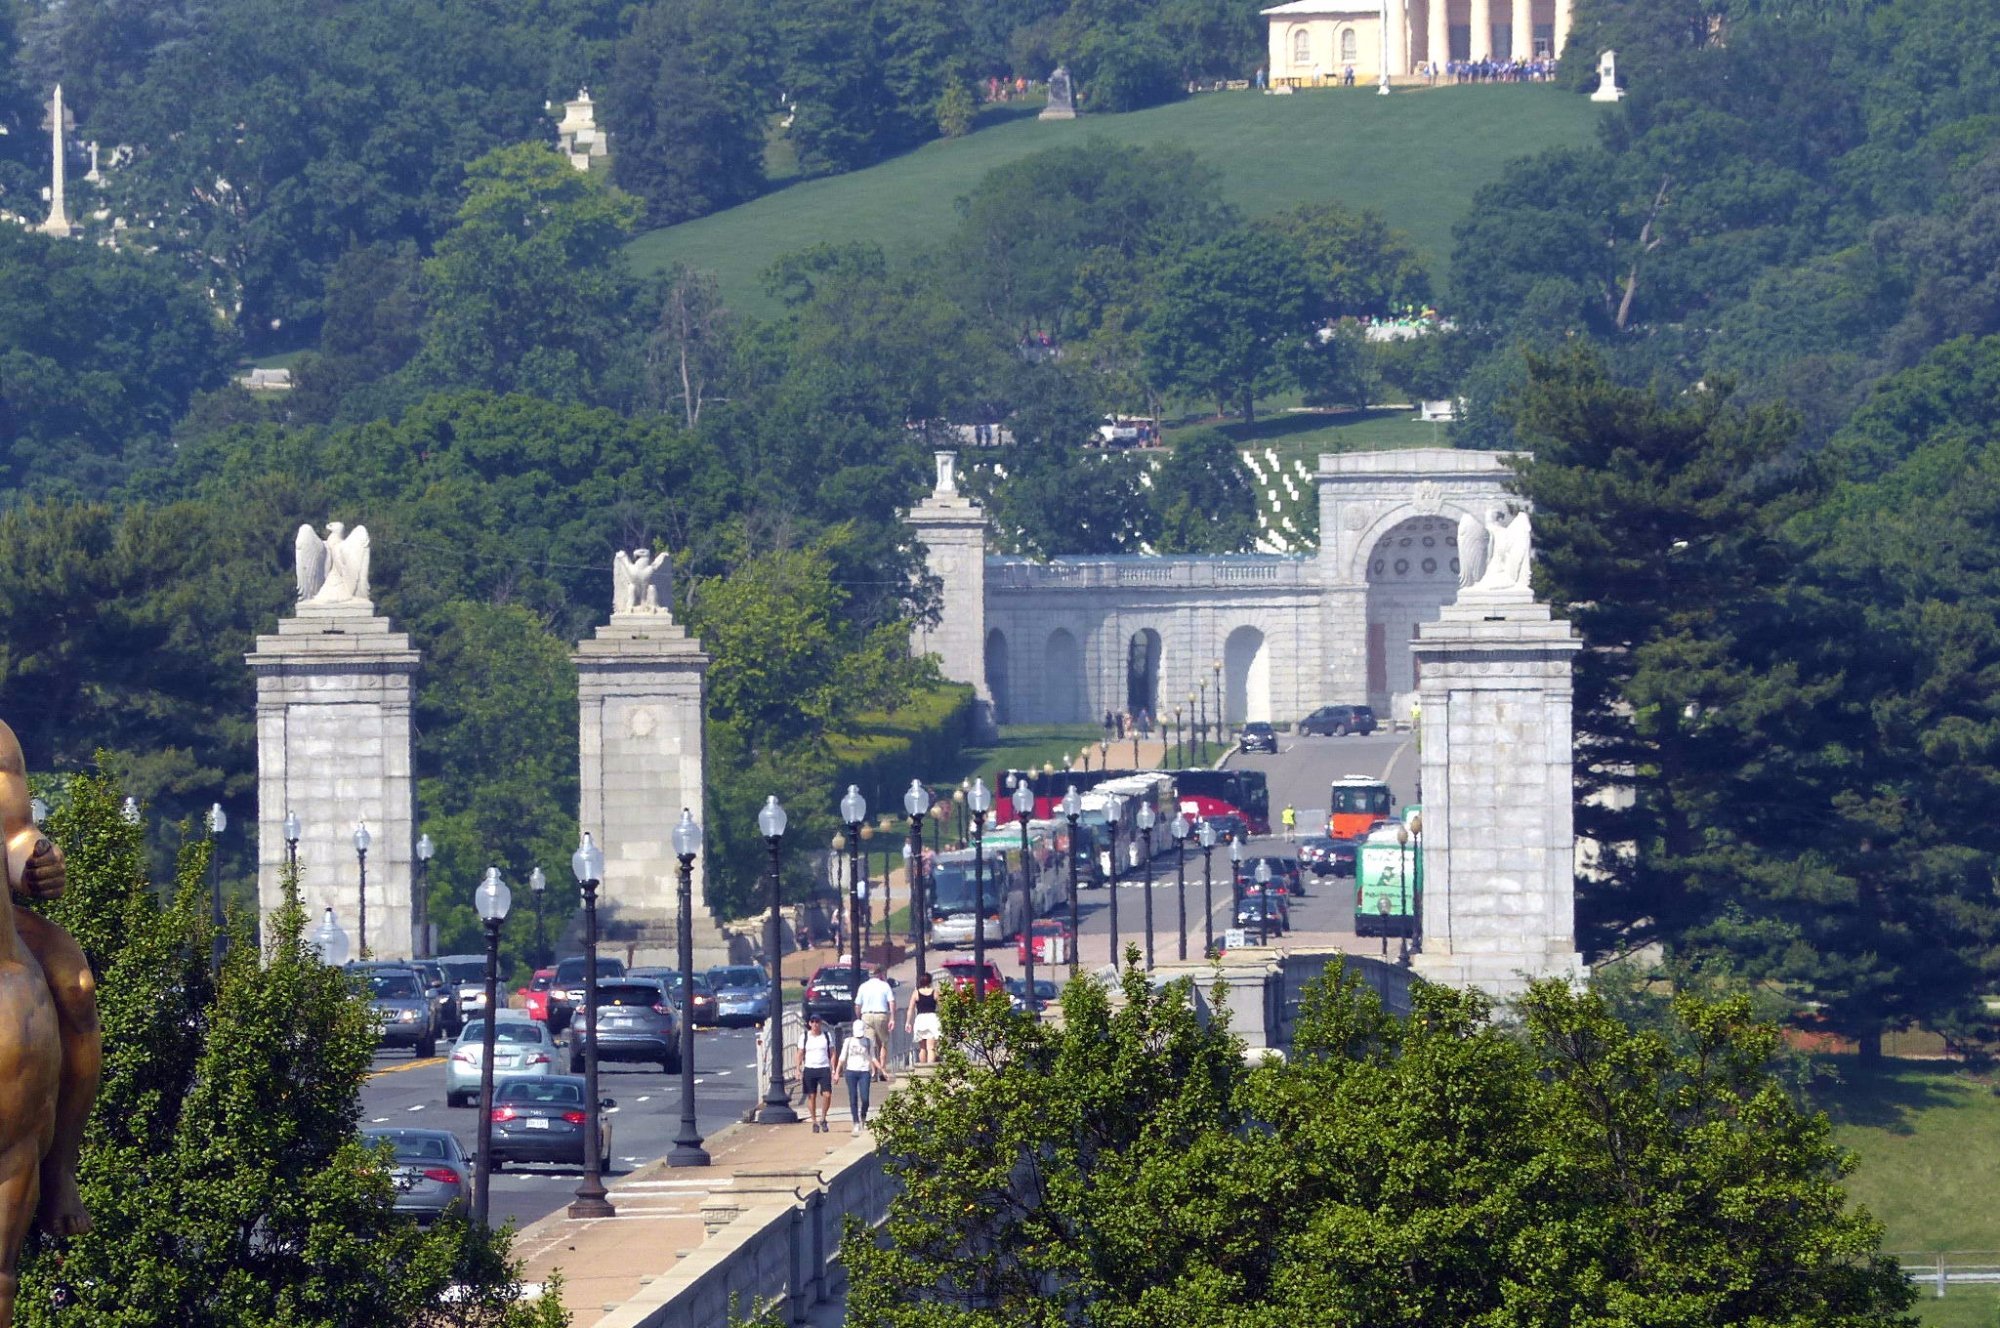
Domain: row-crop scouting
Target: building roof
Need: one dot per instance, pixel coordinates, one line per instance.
(1360, 7)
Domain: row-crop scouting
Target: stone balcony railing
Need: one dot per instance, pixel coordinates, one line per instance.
(1224, 571)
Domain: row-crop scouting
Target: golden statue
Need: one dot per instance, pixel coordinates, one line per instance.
(50, 1056)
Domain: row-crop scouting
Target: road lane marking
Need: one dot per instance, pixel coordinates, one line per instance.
(646, 1097)
(379, 1120)
(418, 1107)
(407, 1065)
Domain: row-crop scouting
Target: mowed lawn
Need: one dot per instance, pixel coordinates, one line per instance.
(1416, 157)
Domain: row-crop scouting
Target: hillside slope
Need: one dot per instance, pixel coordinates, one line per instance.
(1416, 157)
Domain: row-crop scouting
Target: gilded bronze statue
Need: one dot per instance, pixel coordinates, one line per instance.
(50, 1054)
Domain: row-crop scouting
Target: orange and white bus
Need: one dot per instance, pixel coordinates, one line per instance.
(1357, 804)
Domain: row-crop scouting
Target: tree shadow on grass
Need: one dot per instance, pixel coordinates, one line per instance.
(1281, 428)
(1888, 1096)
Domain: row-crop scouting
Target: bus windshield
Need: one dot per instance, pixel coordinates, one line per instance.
(951, 889)
(1370, 799)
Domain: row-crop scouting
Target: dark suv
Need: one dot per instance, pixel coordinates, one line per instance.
(635, 1022)
(404, 1016)
(1339, 721)
(1257, 736)
(830, 992)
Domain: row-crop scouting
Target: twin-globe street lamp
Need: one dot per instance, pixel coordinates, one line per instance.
(688, 1151)
(491, 900)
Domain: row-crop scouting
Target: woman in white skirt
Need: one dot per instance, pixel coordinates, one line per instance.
(922, 1020)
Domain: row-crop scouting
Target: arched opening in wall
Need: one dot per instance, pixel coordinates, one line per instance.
(1062, 679)
(1142, 673)
(996, 676)
(1246, 677)
(1412, 573)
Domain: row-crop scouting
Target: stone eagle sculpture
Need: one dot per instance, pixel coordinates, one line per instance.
(633, 575)
(333, 570)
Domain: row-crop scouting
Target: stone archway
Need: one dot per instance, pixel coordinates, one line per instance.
(1062, 679)
(1412, 573)
(996, 677)
(1142, 673)
(1246, 677)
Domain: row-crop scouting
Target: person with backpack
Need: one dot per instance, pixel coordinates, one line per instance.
(815, 1070)
(860, 1061)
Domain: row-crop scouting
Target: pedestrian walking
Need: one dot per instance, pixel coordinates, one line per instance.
(1290, 816)
(860, 1061)
(875, 1001)
(815, 1070)
(922, 1020)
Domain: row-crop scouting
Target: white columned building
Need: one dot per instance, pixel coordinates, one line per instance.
(1315, 42)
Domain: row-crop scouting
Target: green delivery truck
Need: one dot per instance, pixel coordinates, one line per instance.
(1388, 881)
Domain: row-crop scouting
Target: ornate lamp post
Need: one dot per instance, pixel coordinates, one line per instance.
(688, 1151)
(1235, 876)
(1072, 810)
(492, 900)
(1416, 904)
(917, 804)
(1204, 835)
(1024, 811)
(538, 884)
(866, 905)
(1104, 753)
(1180, 755)
(1181, 828)
(292, 832)
(129, 811)
(1114, 808)
(940, 813)
(330, 941)
(980, 802)
(1145, 818)
(853, 811)
(587, 863)
(425, 852)
(958, 802)
(777, 1108)
(1221, 702)
(1201, 723)
(1263, 878)
(38, 810)
(361, 841)
(218, 821)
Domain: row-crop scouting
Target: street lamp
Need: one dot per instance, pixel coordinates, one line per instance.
(218, 821)
(587, 863)
(492, 900)
(292, 832)
(688, 1151)
(1180, 756)
(129, 813)
(980, 802)
(330, 941)
(1181, 828)
(777, 1108)
(1235, 877)
(1204, 835)
(1104, 753)
(361, 841)
(1201, 724)
(1024, 810)
(917, 804)
(1416, 907)
(1072, 810)
(1145, 818)
(38, 809)
(958, 803)
(1114, 809)
(1221, 706)
(538, 884)
(853, 811)
(1263, 878)
(425, 852)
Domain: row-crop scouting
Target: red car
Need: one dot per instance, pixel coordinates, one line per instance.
(1052, 942)
(960, 973)
(535, 996)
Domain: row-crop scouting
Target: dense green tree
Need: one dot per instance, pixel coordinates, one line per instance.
(1360, 266)
(863, 78)
(1127, 1166)
(685, 96)
(1226, 316)
(1203, 498)
(529, 291)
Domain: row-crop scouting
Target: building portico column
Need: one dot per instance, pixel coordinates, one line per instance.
(1439, 45)
(1564, 14)
(1482, 30)
(1396, 50)
(1524, 29)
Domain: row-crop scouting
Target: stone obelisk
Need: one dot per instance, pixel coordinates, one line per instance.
(58, 222)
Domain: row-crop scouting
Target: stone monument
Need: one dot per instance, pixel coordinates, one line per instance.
(58, 222)
(1496, 776)
(953, 530)
(1607, 78)
(335, 687)
(1062, 96)
(577, 134)
(640, 688)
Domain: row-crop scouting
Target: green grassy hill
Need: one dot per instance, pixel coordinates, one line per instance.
(1415, 157)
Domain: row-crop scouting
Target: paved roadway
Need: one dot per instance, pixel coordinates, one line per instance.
(402, 1091)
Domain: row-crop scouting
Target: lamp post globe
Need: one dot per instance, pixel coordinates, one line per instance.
(292, 832)
(777, 1107)
(538, 884)
(587, 865)
(129, 811)
(687, 1151)
(1145, 819)
(917, 805)
(1262, 875)
(491, 900)
(330, 940)
(218, 821)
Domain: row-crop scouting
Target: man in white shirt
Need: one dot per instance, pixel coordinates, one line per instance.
(875, 1002)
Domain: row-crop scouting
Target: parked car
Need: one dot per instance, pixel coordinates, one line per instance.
(742, 994)
(1339, 720)
(543, 1120)
(1250, 909)
(1323, 855)
(670, 978)
(962, 974)
(567, 988)
(1285, 873)
(1051, 935)
(430, 1172)
(535, 996)
(443, 999)
(830, 993)
(635, 1022)
(1257, 736)
(1046, 993)
(522, 1049)
(404, 1016)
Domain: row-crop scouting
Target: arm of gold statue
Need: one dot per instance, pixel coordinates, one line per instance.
(34, 865)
